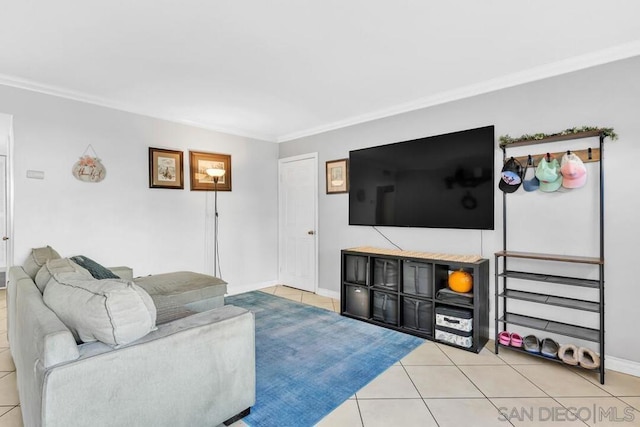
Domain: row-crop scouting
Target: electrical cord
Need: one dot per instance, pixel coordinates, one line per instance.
(389, 240)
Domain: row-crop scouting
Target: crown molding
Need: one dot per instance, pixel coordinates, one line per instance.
(565, 66)
(32, 86)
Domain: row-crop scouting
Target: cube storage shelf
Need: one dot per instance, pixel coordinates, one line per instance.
(400, 290)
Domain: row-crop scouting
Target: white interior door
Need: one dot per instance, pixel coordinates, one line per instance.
(3, 215)
(298, 196)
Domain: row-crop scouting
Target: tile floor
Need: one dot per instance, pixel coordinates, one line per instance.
(437, 385)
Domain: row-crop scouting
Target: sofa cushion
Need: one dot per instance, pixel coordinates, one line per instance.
(96, 270)
(113, 311)
(60, 265)
(37, 258)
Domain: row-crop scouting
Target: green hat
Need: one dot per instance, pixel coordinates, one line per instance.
(548, 172)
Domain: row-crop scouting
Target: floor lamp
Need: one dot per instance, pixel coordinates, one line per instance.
(216, 174)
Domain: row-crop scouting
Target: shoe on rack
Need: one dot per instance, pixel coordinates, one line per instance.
(531, 344)
(516, 340)
(568, 353)
(588, 359)
(504, 338)
(549, 348)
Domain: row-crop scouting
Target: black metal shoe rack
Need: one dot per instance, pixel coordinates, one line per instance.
(504, 293)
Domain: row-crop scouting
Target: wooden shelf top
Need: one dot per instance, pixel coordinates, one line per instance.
(589, 134)
(472, 259)
(551, 257)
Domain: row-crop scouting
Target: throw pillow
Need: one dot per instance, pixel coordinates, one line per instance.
(96, 270)
(115, 312)
(37, 258)
(53, 266)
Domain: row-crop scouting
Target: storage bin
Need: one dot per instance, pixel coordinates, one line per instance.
(357, 300)
(459, 319)
(355, 269)
(385, 307)
(452, 336)
(417, 278)
(417, 314)
(385, 273)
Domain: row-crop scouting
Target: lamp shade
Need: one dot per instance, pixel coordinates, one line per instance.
(216, 173)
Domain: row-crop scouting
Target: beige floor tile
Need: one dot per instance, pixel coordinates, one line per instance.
(395, 412)
(534, 411)
(3, 313)
(6, 361)
(392, 383)
(13, 418)
(616, 383)
(336, 306)
(345, 415)
(441, 381)
(269, 290)
(501, 381)
(292, 297)
(427, 354)
(308, 297)
(557, 381)
(463, 357)
(517, 358)
(5, 409)
(465, 412)
(9, 390)
(285, 290)
(3, 341)
(602, 411)
(633, 401)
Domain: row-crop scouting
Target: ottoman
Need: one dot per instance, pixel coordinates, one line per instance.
(182, 293)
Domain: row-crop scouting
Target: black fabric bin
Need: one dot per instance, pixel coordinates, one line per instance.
(417, 314)
(385, 273)
(417, 278)
(355, 269)
(385, 307)
(357, 300)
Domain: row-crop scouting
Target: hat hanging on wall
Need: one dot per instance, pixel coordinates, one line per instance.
(89, 168)
(511, 176)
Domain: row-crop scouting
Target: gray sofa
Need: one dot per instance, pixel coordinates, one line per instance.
(196, 367)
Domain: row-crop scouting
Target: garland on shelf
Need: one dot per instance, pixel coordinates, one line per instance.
(506, 139)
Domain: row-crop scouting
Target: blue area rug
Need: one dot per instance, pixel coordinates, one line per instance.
(310, 360)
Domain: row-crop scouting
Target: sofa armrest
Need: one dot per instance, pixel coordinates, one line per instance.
(122, 272)
(198, 370)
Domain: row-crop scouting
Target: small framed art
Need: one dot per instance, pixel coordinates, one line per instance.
(337, 176)
(199, 163)
(166, 168)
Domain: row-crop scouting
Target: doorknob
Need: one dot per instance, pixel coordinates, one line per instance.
(311, 232)
(5, 238)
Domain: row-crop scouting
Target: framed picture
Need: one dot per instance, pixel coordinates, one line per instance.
(338, 176)
(165, 168)
(200, 162)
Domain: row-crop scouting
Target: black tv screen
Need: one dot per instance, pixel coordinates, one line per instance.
(443, 181)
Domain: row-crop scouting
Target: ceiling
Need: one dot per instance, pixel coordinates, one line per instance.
(282, 69)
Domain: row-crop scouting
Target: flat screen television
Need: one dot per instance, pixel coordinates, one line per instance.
(443, 181)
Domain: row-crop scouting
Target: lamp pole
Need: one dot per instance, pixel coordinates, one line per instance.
(216, 174)
(215, 226)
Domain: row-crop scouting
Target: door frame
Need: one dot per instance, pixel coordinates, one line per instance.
(314, 157)
(9, 196)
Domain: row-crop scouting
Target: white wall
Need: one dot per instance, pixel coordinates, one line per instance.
(120, 221)
(607, 96)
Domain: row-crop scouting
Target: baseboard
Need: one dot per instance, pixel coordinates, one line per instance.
(240, 289)
(610, 362)
(329, 294)
(622, 365)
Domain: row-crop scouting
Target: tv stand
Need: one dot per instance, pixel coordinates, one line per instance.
(408, 291)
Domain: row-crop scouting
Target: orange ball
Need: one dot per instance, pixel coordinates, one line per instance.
(460, 281)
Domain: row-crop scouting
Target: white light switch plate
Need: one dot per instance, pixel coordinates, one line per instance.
(35, 174)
